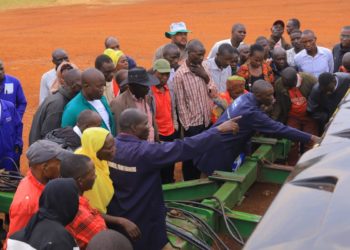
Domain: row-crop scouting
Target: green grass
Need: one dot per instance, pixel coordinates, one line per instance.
(14, 4)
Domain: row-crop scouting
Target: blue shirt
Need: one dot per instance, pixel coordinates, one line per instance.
(315, 65)
(11, 90)
(136, 179)
(253, 120)
(10, 134)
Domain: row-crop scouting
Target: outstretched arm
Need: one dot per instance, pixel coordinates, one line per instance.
(131, 228)
(262, 123)
(158, 155)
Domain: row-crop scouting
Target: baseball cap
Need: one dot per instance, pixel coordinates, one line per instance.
(278, 22)
(44, 150)
(176, 28)
(162, 66)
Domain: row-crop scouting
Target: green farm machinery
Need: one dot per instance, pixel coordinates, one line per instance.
(201, 210)
(210, 201)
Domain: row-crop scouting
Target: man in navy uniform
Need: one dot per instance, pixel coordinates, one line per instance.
(136, 173)
(251, 107)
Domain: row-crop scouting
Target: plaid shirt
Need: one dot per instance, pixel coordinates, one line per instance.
(192, 97)
(86, 224)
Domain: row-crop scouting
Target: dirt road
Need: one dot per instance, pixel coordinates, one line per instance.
(29, 35)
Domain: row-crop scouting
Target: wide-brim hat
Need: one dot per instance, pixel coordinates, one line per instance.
(176, 28)
(139, 76)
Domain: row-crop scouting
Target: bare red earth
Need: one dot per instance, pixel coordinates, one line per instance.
(29, 35)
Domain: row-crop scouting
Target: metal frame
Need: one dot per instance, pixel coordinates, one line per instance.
(228, 187)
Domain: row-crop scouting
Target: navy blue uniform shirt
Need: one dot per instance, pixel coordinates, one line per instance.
(253, 120)
(137, 182)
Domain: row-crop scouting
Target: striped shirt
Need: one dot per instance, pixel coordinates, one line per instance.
(192, 97)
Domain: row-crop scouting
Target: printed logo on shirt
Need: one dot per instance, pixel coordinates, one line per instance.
(8, 119)
(8, 88)
(122, 167)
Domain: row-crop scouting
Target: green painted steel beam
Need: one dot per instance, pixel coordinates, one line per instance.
(231, 192)
(179, 243)
(264, 152)
(283, 148)
(264, 140)
(5, 201)
(245, 222)
(190, 190)
(205, 214)
(270, 175)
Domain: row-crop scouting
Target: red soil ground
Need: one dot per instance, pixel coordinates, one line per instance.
(29, 35)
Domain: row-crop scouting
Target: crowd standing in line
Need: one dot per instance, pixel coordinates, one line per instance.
(103, 140)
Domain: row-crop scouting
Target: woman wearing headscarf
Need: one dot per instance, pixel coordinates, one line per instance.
(121, 63)
(58, 205)
(98, 144)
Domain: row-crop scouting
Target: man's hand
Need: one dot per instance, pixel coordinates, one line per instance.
(213, 91)
(132, 230)
(315, 139)
(199, 70)
(229, 126)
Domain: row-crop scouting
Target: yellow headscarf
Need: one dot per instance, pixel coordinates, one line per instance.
(114, 55)
(102, 192)
(236, 79)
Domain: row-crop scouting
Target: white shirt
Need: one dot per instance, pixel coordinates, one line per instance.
(76, 130)
(215, 48)
(290, 57)
(218, 75)
(45, 84)
(101, 110)
(171, 78)
(316, 65)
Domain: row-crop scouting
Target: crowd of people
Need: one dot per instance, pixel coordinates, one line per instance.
(103, 140)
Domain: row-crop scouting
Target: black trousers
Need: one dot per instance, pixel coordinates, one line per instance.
(167, 171)
(189, 171)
